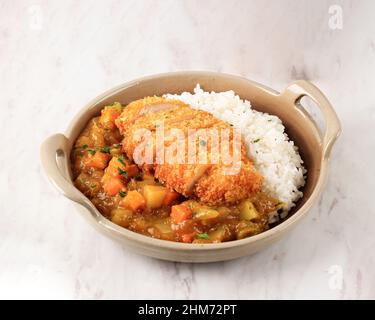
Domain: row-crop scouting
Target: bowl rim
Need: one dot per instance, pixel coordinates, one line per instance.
(107, 226)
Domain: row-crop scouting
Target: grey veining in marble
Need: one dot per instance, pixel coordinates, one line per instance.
(57, 55)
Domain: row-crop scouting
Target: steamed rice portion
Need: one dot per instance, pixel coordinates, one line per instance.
(275, 156)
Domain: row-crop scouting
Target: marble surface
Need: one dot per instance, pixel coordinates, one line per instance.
(57, 55)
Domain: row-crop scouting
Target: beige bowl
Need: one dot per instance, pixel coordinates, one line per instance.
(314, 147)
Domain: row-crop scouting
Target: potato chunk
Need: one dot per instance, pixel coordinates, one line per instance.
(247, 210)
(154, 196)
(133, 201)
(205, 213)
(121, 217)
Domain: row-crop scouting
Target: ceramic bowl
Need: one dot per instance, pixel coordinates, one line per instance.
(314, 146)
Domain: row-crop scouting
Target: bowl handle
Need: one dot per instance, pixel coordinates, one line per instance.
(53, 147)
(301, 88)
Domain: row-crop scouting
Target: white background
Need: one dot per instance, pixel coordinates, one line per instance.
(57, 55)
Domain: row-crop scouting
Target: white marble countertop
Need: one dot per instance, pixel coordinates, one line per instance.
(55, 56)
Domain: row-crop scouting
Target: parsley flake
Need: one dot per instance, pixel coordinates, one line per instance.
(105, 149)
(204, 236)
(123, 173)
(121, 159)
(122, 193)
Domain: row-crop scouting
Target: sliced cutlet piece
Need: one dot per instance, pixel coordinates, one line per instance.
(140, 108)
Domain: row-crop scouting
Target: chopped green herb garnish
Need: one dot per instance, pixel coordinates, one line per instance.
(138, 177)
(256, 140)
(202, 143)
(85, 146)
(105, 149)
(123, 173)
(93, 186)
(122, 193)
(269, 120)
(91, 151)
(203, 236)
(121, 159)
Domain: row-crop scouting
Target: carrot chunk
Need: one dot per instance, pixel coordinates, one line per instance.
(131, 170)
(98, 160)
(108, 117)
(170, 197)
(133, 201)
(180, 213)
(116, 168)
(121, 169)
(112, 186)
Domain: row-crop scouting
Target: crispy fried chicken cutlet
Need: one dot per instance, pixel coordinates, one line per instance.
(207, 180)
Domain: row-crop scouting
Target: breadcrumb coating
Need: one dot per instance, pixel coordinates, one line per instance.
(206, 181)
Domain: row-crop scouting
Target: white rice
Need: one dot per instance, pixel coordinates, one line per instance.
(275, 156)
